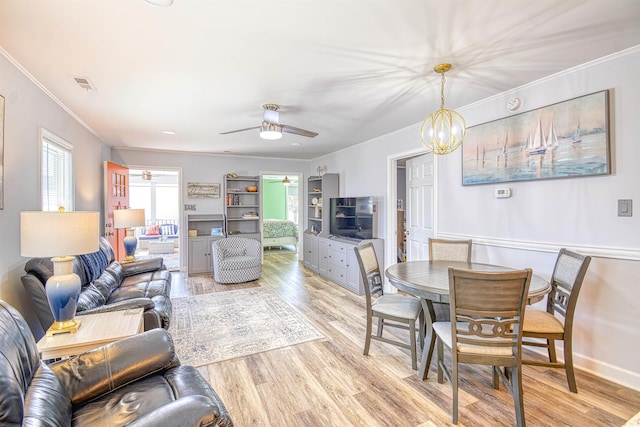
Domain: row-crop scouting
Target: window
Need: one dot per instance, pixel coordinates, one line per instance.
(56, 184)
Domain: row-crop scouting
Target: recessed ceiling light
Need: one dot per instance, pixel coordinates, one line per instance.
(159, 3)
(169, 132)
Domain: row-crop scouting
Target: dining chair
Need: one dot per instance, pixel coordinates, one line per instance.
(486, 329)
(450, 250)
(444, 250)
(556, 323)
(391, 310)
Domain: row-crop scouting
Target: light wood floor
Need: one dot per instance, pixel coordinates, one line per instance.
(329, 382)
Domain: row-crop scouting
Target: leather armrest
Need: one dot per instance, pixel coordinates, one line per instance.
(106, 368)
(145, 303)
(142, 266)
(186, 411)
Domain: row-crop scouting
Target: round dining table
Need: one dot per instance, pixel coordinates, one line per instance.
(429, 281)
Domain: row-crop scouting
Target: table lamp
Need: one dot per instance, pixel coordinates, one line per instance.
(127, 219)
(60, 235)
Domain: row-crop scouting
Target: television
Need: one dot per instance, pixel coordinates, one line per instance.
(352, 217)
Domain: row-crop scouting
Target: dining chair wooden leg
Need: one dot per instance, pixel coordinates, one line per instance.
(517, 392)
(454, 384)
(551, 346)
(568, 366)
(367, 341)
(412, 338)
(496, 377)
(380, 326)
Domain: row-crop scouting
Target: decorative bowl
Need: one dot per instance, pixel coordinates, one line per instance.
(252, 189)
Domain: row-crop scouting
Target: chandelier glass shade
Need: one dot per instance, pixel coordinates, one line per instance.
(443, 131)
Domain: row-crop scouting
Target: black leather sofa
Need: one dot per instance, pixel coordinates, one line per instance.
(107, 285)
(137, 381)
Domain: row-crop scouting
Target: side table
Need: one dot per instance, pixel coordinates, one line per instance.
(95, 330)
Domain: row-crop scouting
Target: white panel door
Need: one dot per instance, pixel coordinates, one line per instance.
(419, 210)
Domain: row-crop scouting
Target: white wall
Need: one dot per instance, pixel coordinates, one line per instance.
(542, 216)
(27, 109)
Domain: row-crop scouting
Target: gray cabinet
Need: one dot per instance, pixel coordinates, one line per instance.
(336, 260)
(204, 229)
(310, 243)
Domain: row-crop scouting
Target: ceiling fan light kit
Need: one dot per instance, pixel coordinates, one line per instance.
(443, 131)
(271, 128)
(270, 131)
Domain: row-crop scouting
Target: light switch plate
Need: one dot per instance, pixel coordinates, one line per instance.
(625, 207)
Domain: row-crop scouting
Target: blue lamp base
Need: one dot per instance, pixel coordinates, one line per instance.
(130, 242)
(63, 289)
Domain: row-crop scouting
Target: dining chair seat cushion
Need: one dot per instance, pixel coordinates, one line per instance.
(443, 330)
(538, 321)
(398, 306)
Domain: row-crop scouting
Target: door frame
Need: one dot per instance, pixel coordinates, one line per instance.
(301, 210)
(392, 197)
(182, 223)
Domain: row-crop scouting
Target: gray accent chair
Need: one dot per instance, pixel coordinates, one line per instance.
(137, 381)
(485, 329)
(394, 311)
(556, 323)
(236, 260)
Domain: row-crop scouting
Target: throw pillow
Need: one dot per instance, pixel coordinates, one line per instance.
(153, 230)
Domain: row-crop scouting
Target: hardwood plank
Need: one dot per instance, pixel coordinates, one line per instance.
(330, 382)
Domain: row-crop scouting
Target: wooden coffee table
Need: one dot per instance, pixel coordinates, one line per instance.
(95, 330)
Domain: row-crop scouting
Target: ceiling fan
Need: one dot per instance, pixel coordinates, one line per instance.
(271, 128)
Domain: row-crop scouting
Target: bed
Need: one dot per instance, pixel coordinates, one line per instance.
(279, 232)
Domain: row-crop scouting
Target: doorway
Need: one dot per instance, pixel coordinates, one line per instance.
(281, 212)
(157, 191)
(422, 208)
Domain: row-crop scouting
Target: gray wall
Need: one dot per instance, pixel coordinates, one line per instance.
(27, 109)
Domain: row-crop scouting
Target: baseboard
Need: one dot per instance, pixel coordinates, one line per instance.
(598, 368)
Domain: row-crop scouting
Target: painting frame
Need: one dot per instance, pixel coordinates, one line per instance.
(567, 139)
(203, 190)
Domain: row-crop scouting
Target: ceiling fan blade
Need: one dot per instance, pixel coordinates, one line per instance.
(298, 131)
(239, 130)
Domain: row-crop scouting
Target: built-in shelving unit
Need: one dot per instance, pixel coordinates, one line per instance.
(243, 206)
(320, 190)
(203, 230)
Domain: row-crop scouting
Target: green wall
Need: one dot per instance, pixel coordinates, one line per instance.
(274, 200)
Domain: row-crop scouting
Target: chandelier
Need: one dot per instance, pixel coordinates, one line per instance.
(286, 181)
(443, 131)
(146, 175)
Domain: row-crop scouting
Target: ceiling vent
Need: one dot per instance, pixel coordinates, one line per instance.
(84, 83)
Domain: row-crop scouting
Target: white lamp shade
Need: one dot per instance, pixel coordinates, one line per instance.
(128, 218)
(52, 234)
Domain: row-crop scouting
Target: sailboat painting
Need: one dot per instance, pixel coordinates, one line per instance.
(562, 140)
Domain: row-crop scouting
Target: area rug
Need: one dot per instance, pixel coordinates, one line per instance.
(219, 326)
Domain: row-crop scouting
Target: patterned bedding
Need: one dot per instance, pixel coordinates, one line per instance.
(279, 228)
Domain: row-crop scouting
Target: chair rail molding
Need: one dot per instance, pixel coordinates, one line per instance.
(594, 251)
